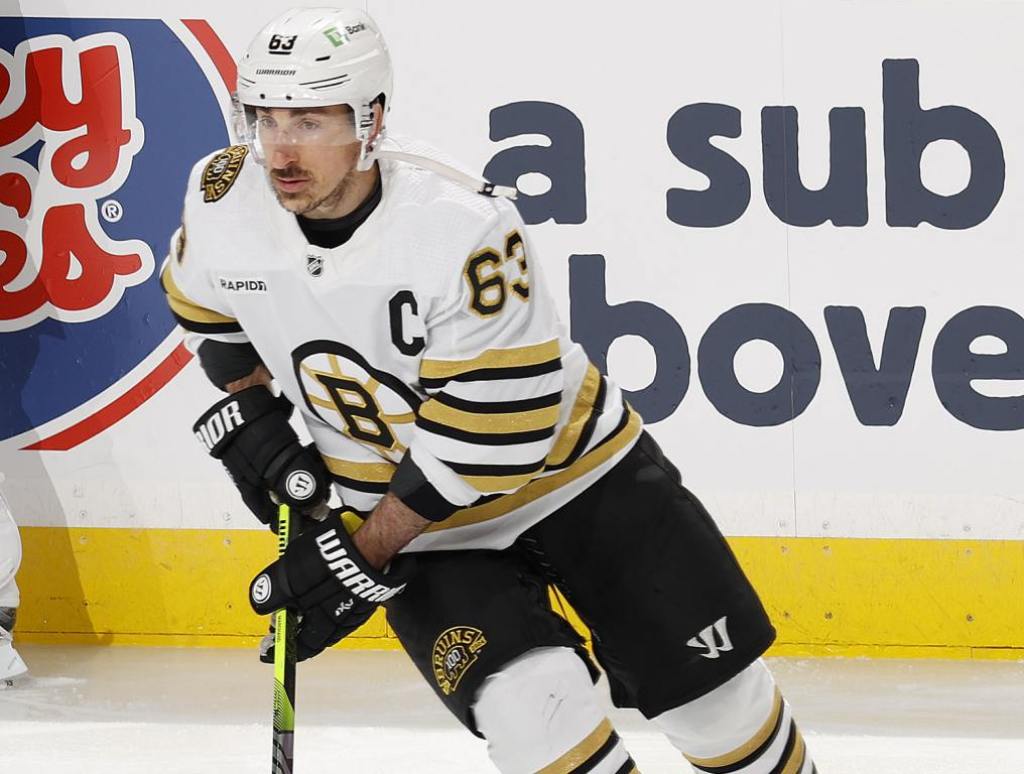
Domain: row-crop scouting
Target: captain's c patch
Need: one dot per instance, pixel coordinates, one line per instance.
(221, 172)
(455, 651)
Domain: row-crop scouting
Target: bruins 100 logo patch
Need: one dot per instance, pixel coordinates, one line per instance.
(221, 172)
(455, 651)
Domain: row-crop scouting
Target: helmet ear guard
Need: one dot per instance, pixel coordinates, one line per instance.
(366, 121)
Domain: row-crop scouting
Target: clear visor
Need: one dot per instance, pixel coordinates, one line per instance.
(270, 130)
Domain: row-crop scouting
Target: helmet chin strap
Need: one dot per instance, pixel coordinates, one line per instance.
(369, 152)
(475, 184)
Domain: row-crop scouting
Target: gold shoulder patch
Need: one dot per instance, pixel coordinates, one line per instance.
(221, 172)
(455, 651)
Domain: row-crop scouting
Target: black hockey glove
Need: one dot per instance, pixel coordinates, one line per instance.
(249, 432)
(325, 579)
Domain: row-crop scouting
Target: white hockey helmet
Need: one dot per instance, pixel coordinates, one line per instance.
(316, 57)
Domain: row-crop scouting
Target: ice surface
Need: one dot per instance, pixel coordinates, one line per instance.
(190, 711)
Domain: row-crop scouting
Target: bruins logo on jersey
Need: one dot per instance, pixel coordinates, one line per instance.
(368, 405)
(455, 651)
(221, 172)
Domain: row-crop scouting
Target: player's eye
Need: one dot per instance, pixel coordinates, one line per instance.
(309, 126)
(265, 122)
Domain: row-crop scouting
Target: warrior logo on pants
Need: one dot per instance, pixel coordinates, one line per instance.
(455, 651)
(707, 639)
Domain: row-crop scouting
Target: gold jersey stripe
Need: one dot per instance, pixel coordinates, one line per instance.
(516, 357)
(748, 747)
(539, 487)
(370, 472)
(581, 411)
(492, 484)
(796, 759)
(185, 307)
(537, 419)
(581, 753)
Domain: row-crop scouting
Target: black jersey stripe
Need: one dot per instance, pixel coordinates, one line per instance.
(623, 421)
(474, 469)
(587, 431)
(582, 451)
(502, 357)
(627, 768)
(491, 423)
(485, 439)
(494, 374)
(199, 327)
(499, 407)
(537, 486)
(580, 411)
(599, 755)
(369, 487)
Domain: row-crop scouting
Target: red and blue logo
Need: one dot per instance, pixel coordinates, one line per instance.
(100, 123)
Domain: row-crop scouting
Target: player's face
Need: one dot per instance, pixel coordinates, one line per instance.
(311, 155)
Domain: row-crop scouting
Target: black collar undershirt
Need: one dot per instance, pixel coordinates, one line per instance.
(332, 232)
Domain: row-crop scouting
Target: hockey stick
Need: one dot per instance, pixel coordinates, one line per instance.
(285, 623)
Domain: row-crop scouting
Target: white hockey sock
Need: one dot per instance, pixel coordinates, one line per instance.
(743, 726)
(541, 713)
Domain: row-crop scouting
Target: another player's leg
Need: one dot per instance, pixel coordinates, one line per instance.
(11, 664)
(675, 622)
(479, 627)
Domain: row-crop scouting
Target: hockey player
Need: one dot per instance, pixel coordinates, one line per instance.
(397, 303)
(11, 664)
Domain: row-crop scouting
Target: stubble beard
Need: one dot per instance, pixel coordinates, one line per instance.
(293, 202)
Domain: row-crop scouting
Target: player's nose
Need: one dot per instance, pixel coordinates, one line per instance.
(282, 156)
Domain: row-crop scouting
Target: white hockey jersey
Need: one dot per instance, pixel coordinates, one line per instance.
(427, 340)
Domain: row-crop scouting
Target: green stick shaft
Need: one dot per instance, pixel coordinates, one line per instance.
(284, 667)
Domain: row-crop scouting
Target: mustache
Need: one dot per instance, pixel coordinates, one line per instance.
(290, 172)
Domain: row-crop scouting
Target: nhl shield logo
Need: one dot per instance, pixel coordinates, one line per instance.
(315, 264)
(455, 651)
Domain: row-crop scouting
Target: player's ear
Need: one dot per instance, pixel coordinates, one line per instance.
(378, 119)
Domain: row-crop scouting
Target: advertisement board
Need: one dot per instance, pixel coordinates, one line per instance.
(788, 229)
